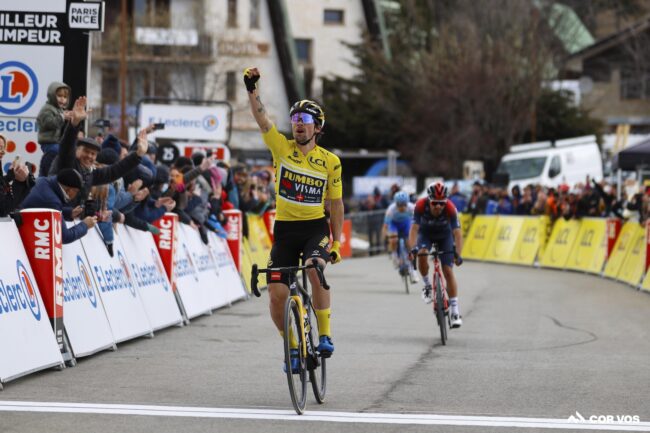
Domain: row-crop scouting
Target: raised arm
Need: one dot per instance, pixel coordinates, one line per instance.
(251, 76)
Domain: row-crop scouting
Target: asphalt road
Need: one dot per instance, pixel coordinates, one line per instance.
(537, 347)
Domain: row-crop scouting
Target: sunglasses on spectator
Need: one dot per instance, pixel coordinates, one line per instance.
(302, 117)
(438, 202)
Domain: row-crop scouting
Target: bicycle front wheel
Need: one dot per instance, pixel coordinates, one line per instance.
(316, 365)
(297, 380)
(404, 264)
(439, 311)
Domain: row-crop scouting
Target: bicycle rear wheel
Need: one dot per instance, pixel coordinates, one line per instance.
(404, 266)
(297, 382)
(316, 365)
(439, 311)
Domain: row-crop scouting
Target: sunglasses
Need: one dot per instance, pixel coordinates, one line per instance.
(438, 202)
(305, 118)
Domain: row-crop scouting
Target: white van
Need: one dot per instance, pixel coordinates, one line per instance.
(550, 164)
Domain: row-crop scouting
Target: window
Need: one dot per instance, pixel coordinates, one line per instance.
(231, 86)
(523, 168)
(152, 13)
(232, 13)
(634, 84)
(333, 16)
(303, 50)
(255, 14)
(555, 168)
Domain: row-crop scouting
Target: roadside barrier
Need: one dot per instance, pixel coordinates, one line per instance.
(94, 301)
(594, 245)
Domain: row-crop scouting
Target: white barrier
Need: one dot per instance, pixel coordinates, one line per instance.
(122, 303)
(84, 318)
(229, 279)
(149, 277)
(26, 337)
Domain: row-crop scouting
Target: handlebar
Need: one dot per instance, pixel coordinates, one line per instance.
(255, 271)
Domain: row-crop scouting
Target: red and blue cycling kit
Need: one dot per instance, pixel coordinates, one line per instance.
(436, 229)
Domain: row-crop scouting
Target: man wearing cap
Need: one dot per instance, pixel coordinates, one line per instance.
(57, 192)
(81, 154)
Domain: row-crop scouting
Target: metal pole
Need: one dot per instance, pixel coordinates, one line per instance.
(123, 37)
(619, 181)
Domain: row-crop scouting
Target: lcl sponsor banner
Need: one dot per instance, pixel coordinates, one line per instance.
(208, 273)
(26, 337)
(150, 277)
(85, 320)
(166, 243)
(229, 279)
(41, 234)
(117, 290)
(234, 231)
(613, 229)
(187, 276)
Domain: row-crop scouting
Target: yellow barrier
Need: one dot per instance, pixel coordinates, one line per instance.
(590, 248)
(465, 223)
(532, 235)
(632, 268)
(617, 256)
(504, 239)
(246, 264)
(478, 239)
(560, 244)
(258, 240)
(646, 282)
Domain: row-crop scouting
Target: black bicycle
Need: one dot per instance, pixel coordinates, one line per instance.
(300, 321)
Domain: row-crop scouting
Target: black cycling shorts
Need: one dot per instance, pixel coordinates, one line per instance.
(291, 238)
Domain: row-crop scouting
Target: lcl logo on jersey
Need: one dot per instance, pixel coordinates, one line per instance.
(18, 88)
(29, 290)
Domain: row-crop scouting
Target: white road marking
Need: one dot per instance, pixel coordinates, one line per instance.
(323, 416)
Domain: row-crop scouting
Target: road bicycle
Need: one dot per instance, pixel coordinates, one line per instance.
(403, 263)
(440, 296)
(300, 321)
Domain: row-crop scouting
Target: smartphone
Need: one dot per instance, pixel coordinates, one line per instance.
(157, 126)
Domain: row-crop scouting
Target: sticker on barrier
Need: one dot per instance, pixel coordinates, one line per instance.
(504, 239)
(30, 345)
(590, 248)
(632, 269)
(229, 279)
(149, 276)
(618, 254)
(560, 244)
(85, 321)
(465, 220)
(528, 241)
(478, 239)
(117, 289)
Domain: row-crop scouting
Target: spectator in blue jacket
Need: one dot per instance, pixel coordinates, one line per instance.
(56, 192)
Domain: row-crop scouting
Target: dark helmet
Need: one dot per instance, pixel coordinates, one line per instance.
(437, 191)
(309, 107)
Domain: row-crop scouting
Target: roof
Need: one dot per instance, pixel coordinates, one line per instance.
(633, 157)
(569, 29)
(612, 40)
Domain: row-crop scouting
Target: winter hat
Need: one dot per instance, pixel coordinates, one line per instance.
(89, 142)
(107, 156)
(112, 142)
(183, 161)
(69, 177)
(162, 174)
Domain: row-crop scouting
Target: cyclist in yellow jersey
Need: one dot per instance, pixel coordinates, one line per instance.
(305, 176)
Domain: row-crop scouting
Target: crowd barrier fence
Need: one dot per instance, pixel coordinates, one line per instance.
(598, 246)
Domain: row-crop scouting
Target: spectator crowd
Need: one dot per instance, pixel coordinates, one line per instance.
(104, 181)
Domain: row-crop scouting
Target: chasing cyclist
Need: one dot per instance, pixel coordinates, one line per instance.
(397, 223)
(305, 176)
(435, 221)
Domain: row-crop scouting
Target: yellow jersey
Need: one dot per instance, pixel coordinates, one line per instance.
(302, 182)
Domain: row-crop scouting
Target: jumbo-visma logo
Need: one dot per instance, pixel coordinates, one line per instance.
(18, 88)
(29, 290)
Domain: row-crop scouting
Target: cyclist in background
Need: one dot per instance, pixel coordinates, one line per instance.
(397, 223)
(435, 221)
(306, 175)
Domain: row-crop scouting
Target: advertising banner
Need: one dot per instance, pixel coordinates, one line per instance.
(85, 321)
(478, 239)
(590, 248)
(166, 242)
(613, 230)
(41, 234)
(117, 290)
(230, 281)
(529, 241)
(187, 276)
(188, 122)
(621, 248)
(465, 220)
(346, 239)
(560, 244)
(26, 337)
(504, 239)
(149, 276)
(234, 230)
(269, 222)
(632, 270)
